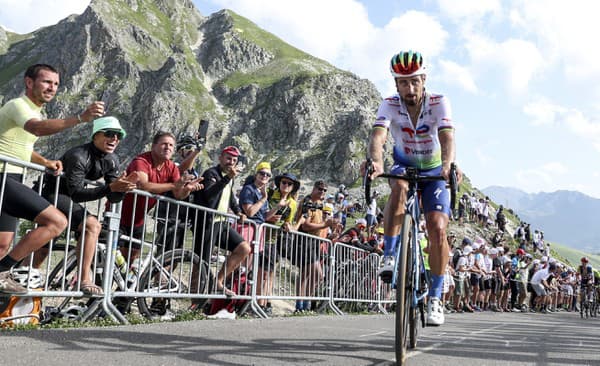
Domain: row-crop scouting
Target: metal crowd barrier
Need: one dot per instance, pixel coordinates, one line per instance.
(181, 250)
(293, 266)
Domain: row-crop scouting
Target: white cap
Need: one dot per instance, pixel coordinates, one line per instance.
(544, 259)
(467, 250)
(493, 251)
(475, 246)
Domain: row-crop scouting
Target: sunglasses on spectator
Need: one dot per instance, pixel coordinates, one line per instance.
(286, 183)
(112, 133)
(265, 174)
(322, 189)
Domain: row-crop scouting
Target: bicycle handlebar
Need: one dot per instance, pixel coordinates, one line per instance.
(411, 176)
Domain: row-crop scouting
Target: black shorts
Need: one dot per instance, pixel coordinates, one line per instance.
(475, 280)
(218, 234)
(63, 203)
(18, 202)
(487, 284)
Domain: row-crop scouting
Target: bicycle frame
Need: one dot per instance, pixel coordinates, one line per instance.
(418, 264)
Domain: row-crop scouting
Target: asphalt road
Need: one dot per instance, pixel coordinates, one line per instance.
(465, 339)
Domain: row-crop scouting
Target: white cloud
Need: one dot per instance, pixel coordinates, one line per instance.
(453, 73)
(468, 9)
(543, 112)
(566, 33)
(517, 59)
(24, 16)
(541, 178)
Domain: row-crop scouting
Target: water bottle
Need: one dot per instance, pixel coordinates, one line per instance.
(133, 271)
(117, 255)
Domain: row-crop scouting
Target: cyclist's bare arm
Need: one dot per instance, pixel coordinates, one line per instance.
(448, 153)
(376, 143)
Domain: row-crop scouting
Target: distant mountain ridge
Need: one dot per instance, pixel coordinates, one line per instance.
(567, 217)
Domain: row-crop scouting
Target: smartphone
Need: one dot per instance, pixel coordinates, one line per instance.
(241, 163)
(202, 131)
(106, 99)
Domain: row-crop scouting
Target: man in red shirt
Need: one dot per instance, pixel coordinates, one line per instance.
(156, 174)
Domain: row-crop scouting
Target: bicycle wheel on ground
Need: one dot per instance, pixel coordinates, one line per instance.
(403, 292)
(63, 277)
(173, 276)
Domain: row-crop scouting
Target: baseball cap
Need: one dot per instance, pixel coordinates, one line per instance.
(493, 251)
(467, 250)
(520, 251)
(475, 246)
(466, 241)
(231, 150)
(265, 165)
(108, 123)
(361, 222)
(544, 259)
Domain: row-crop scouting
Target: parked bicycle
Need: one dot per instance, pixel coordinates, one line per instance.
(157, 286)
(409, 278)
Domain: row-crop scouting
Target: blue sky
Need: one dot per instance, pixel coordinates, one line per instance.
(523, 75)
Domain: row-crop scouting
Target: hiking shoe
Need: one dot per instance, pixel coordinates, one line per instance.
(9, 286)
(435, 314)
(387, 269)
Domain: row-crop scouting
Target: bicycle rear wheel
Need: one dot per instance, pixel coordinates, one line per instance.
(403, 292)
(172, 276)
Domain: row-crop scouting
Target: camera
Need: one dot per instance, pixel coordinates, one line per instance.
(311, 206)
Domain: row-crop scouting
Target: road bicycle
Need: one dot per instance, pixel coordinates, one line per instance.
(160, 278)
(409, 278)
(589, 302)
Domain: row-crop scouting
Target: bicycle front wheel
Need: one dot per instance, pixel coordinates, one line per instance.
(403, 292)
(173, 275)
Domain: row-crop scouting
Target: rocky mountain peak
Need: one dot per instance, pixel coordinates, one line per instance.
(167, 66)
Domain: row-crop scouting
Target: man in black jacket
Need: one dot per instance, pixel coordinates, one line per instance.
(215, 229)
(91, 162)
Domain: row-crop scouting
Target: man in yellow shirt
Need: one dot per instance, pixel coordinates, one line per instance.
(21, 123)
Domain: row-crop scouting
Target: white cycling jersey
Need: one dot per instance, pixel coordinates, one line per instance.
(418, 147)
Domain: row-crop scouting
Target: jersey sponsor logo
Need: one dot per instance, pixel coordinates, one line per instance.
(437, 193)
(428, 141)
(409, 131)
(410, 151)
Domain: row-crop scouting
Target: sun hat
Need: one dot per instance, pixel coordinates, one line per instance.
(289, 176)
(108, 123)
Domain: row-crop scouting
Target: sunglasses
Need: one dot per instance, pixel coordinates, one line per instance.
(286, 183)
(322, 189)
(112, 133)
(265, 174)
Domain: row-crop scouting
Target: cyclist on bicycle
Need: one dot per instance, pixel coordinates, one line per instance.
(423, 133)
(587, 279)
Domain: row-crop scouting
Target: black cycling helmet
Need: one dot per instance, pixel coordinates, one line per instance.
(186, 141)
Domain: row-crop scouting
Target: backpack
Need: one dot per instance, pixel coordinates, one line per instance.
(455, 257)
(19, 310)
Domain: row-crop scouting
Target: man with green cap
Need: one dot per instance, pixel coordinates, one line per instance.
(90, 161)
